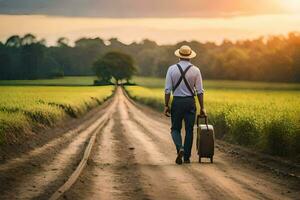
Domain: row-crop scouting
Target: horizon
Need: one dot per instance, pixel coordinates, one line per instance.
(163, 31)
(165, 22)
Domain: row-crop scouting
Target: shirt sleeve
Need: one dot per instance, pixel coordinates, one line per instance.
(198, 84)
(168, 85)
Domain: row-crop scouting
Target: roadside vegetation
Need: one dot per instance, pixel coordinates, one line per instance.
(263, 116)
(26, 109)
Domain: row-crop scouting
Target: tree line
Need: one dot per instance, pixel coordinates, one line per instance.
(273, 58)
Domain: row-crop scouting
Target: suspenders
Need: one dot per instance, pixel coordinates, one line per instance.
(182, 77)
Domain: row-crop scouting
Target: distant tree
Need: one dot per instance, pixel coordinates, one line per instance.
(28, 39)
(121, 64)
(5, 64)
(273, 58)
(234, 64)
(147, 61)
(84, 54)
(149, 44)
(13, 41)
(102, 70)
(115, 44)
(50, 68)
(89, 42)
(162, 67)
(32, 58)
(62, 42)
(118, 65)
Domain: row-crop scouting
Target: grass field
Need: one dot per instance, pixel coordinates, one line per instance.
(264, 116)
(24, 108)
(152, 83)
(220, 84)
(68, 80)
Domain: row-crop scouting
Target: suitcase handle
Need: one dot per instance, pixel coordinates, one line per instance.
(206, 120)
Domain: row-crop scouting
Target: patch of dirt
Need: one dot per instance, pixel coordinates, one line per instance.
(112, 171)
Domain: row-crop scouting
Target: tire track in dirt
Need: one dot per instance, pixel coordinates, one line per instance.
(169, 179)
(133, 170)
(216, 191)
(112, 172)
(97, 179)
(209, 189)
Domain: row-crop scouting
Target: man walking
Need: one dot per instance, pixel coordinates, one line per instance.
(182, 79)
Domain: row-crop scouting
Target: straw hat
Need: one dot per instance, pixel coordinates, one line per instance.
(185, 52)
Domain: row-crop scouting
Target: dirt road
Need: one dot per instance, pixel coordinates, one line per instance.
(133, 158)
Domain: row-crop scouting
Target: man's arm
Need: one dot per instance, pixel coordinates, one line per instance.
(167, 107)
(168, 89)
(200, 90)
(167, 99)
(200, 99)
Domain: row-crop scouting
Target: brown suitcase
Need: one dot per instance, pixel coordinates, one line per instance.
(205, 140)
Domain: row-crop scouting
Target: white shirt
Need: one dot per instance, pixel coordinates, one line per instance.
(193, 76)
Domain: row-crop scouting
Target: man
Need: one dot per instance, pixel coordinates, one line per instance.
(182, 79)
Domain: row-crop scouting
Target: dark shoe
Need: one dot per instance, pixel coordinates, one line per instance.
(187, 161)
(179, 157)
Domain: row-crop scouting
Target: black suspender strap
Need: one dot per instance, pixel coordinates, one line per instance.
(182, 77)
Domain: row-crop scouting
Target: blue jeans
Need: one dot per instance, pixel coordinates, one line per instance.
(183, 109)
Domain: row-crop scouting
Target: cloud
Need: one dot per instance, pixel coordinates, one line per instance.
(140, 8)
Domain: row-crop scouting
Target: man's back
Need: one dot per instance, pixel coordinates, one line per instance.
(193, 77)
(183, 78)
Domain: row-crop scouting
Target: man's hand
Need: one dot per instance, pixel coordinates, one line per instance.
(167, 111)
(203, 113)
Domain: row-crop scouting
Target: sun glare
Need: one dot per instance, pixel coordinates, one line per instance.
(291, 5)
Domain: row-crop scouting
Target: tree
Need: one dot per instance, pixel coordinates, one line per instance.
(115, 64)
(13, 41)
(85, 53)
(162, 67)
(32, 57)
(62, 42)
(121, 64)
(5, 64)
(28, 39)
(102, 70)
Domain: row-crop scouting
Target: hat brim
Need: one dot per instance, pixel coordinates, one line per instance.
(192, 55)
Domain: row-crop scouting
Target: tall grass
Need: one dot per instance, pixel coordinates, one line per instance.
(267, 120)
(23, 109)
(63, 81)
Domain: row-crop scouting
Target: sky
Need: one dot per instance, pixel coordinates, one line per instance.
(165, 21)
(147, 8)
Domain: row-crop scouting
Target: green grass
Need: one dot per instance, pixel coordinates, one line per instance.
(68, 80)
(264, 119)
(153, 82)
(23, 109)
(221, 84)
